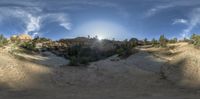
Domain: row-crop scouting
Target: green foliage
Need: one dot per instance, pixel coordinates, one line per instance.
(77, 61)
(82, 55)
(162, 41)
(3, 40)
(14, 39)
(195, 39)
(133, 42)
(174, 40)
(40, 39)
(154, 42)
(146, 41)
(186, 40)
(125, 50)
(28, 45)
(73, 61)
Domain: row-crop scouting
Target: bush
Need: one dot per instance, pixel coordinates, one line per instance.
(174, 40)
(154, 43)
(73, 61)
(146, 41)
(124, 50)
(28, 45)
(163, 41)
(80, 55)
(84, 60)
(83, 55)
(195, 39)
(3, 40)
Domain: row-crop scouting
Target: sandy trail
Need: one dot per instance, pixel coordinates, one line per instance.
(135, 77)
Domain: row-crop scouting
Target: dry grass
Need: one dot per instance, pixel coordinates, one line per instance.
(184, 68)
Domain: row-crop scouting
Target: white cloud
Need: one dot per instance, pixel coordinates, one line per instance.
(33, 24)
(60, 18)
(34, 19)
(153, 11)
(64, 22)
(170, 4)
(180, 21)
(194, 20)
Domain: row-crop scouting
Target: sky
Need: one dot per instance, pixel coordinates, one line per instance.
(119, 19)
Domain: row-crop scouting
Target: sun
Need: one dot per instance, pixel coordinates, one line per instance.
(100, 38)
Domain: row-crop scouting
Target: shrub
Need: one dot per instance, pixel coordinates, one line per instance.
(28, 45)
(154, 43)
(124, 50)
(3, 40)
(133, 42)
(163, 41)
(146, 41)
(73, 61)
(40, 39)
(80, 55)
(174, 40)
(84, 60)
(195, 39)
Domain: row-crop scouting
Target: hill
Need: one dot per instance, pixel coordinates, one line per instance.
(30, 76)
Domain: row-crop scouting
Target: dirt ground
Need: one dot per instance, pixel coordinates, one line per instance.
(46, 76)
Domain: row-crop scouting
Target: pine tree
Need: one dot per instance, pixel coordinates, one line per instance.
(163, 41)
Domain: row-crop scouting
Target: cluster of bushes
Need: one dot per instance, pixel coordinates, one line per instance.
(195, 39)
(174, 40)
(82, 55)
(3, 40)
(40, 39)
(28, 45)
(31, 45)
(79, 55)
(162, 42)
(125, 49)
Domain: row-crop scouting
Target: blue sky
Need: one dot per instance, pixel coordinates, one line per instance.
(119, 19)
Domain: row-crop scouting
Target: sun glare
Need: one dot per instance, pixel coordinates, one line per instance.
(100, 38)
(102, 29)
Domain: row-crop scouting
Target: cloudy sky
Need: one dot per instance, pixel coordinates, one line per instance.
(117, 19)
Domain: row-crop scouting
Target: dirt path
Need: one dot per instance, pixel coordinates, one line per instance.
(135, 77)
(148, 62)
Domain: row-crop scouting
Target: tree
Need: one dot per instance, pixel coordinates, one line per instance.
(163, 41)
(133, 42)
(145, 41)
(3, 40)
(174, 40)
(154, 42)
(195, 40)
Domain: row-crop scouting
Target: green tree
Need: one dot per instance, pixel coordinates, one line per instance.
(163, 41)
(3, 40)
(145, 41)
(154, 42)
(133, 42)
(195, 39)
(174, 40)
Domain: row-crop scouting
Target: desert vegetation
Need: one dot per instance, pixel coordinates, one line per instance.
(3, 40)
(195, 40)
(82, 50)
(134, 64)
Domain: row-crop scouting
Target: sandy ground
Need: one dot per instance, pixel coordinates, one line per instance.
(46, 76)
(183, 69)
